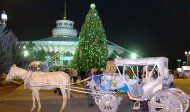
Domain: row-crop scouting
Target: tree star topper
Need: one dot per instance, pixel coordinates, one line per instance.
(92, 6)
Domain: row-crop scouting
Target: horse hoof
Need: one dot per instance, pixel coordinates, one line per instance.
(32, 110)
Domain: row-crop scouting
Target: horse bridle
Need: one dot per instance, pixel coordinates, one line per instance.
(21, 77)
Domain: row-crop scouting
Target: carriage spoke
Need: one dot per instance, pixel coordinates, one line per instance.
(162, 110)
(159, 106)
(173, 109)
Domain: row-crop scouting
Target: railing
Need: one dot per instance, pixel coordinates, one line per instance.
(51, 58)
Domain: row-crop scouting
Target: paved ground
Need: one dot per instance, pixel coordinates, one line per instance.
(19, 100)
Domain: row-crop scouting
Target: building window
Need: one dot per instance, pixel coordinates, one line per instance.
(66, 24)
(60, 24)
(71, 24)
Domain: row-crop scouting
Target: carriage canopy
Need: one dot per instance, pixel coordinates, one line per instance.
(160, 62)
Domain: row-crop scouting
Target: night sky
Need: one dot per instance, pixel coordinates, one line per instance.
(148, 27)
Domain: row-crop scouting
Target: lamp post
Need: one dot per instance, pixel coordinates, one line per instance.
(26, 53)
(133, 55)
(187, 53)
(3, 18)
(179, 61)
(184, 63)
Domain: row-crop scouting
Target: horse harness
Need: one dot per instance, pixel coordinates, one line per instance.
(26, 78)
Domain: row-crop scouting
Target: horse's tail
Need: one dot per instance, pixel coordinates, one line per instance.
(68, 88)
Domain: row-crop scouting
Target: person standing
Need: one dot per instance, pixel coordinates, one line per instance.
(90, 99)
(74, 75)
(110, 67)
(107, 78)
(82, 75)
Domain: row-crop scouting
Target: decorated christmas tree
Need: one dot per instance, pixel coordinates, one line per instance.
(92, 50)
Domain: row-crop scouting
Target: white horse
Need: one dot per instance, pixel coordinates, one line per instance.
(36, 81)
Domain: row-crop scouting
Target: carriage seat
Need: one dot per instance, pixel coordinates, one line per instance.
(130, 81)
(151, 87)
(135, 88)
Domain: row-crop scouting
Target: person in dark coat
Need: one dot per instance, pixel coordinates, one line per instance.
(82, 75)
(90, 99)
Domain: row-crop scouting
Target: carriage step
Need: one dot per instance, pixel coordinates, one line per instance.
(136, 106)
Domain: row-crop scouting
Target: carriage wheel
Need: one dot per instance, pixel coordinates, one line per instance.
(164, 101)
(108, 103)
(96, 98)
(182, 96)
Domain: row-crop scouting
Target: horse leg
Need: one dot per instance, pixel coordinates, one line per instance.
(68, 90)
(68, 93)
(64, 95)
(38, 100)
(33, 99)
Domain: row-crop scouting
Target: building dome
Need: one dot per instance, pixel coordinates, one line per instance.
(64, 28)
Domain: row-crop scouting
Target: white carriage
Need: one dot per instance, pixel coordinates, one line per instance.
(154, 86)
(143, 79)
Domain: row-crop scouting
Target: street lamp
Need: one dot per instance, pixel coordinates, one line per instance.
(3, 18)
(133, 55)
(26, 53)
(179, 61)
(187, 53)
(24, 47)
(184, 63)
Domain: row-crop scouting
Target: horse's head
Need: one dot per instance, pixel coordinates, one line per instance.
(11, 74)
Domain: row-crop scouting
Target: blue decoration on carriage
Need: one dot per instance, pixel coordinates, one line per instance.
(38, 66)
(107, 83)
(124, 88)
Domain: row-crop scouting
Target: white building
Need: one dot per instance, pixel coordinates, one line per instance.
(62, 44)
